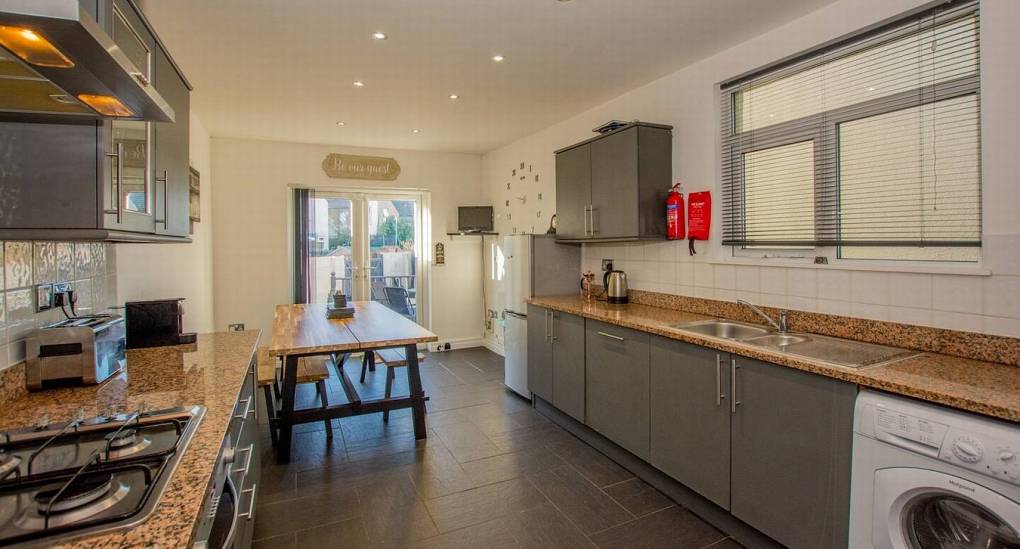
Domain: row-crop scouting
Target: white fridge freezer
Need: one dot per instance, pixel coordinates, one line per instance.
(534, 265)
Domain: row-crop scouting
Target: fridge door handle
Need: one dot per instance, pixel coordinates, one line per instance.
(515, 315)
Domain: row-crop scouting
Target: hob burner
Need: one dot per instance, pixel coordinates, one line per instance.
(126, 443)
(81, 492)
(83, 500)
(8, 464)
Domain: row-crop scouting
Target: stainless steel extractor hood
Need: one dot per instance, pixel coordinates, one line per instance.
(55, 59)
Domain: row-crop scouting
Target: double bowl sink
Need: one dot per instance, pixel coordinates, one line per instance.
(843, 352)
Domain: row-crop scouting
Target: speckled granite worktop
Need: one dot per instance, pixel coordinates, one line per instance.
(987, 388)
(208, 372)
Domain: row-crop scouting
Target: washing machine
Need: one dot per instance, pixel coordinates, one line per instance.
(930, 477)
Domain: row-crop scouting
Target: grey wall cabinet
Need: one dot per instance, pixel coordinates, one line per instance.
(617, 384)
(690, 416)
(540, 352)
(791, 445)
(97, 180)
(613, 187)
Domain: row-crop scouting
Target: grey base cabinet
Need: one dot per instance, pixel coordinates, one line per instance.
(791, 439)
(556, 359)
(617, 385)
(690, 417)
(540, 358)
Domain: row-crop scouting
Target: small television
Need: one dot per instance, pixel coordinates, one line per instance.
(474, 219)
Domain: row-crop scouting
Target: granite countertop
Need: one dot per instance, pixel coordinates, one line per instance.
(986, 388)
(208, 372)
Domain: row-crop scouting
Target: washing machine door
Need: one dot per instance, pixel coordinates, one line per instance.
(924, 509)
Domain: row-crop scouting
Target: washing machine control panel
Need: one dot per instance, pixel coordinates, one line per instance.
(985, 453)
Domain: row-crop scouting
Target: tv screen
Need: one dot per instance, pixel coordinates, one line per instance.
(474, 218)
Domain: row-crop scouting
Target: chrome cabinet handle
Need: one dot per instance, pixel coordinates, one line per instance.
(247, 409)
(546, 325)
(166, 199)
(250, 514)
(610, 336)
(733, 386)
(141, 78)
(119, 155)
(552, 326)
(247, 462)
(586, 221)
(719, 396)
(591, 212)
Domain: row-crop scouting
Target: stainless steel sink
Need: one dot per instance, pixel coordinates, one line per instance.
(777, 340)
(724, 329)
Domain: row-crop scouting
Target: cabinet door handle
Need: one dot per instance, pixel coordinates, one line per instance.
(166, 200)
(552, 326)
(586, 221)
(719, 396)
(591, 212)
(546, 313)
(247, 461)
(610, 336)
(250, 514)
(119, 164)
(733, 386)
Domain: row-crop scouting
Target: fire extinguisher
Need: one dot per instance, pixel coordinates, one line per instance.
(675, 214)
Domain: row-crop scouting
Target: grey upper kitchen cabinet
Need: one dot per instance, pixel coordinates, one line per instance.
(791, 446)
(568, 363)
(172, 165)
(690, 416)
(619, 193)
(540, 353)
(617, 385)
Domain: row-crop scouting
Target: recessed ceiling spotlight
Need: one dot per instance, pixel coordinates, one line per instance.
(498, 58)
(359, 84)
(379, 35)
(416, 130)
(341, 123)
(454, 96)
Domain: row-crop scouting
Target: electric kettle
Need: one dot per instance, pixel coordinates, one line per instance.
(615, 283)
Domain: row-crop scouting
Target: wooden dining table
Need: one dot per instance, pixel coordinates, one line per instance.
(303, 330)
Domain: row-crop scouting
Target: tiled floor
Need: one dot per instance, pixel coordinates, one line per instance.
(493, 473)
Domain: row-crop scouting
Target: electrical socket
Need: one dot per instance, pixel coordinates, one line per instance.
(607, 264)
(43, 297)
(239, 327)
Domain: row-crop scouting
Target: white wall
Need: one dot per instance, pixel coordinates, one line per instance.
(252, 254)
(156, 271)
(687, 99)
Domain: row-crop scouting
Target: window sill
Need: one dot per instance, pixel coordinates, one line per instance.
(851, 265)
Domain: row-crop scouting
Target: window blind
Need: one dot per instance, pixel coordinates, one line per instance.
(873, 140)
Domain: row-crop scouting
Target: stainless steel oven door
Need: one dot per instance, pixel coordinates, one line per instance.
(924, 509)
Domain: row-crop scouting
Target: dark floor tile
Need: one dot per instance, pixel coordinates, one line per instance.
(596, 467)
(513, 465)
(637, 497)
(357, 471)
(345, 534)
(577, 498)
(439, 474)
(360, 429)
(483, 504)
(393, 514)
(283, 517)
(669, 528)
(466, 441)
(393, 444)
(494, 534)
(544, 527)
(727, 543)
(285, 541)
(544, 435)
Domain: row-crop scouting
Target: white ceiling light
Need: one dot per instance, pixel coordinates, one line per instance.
(454, 96)
(379, 35)
(341, 123)
(498, 58)
(359, 84)
(416, 130)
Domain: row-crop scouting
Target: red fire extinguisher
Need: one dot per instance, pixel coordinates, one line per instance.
(675, 214)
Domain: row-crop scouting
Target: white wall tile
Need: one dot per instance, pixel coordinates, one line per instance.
(773, 280)
(750, 297)
(869, 310)
(1009, 327)
(960, 294)
(1002, 296)
(667, 273)
(747, 279)
(910, 315)
(1001, 253)
(834, 285)
(869, 287)
(773, 300)
(725, 277)
(704, 275)
(910, 290)
(958, 321)
(802, 282)
(685, 273)
(799, 303)
(725, 295)
(833, 307)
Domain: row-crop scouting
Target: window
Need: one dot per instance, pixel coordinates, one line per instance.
(870, 144)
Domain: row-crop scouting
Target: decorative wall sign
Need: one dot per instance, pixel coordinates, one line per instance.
(440, 254)
(348, 166)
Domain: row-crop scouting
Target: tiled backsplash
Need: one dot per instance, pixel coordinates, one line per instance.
(90, 267)
(986, 304)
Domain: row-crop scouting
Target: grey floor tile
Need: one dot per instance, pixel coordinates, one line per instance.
(667, 529)
(483, 504)
(545, 435)
(288, 516)
(439, 474)
(466, 441)
(285, 541)
(393, 514)
(728, 543)
(494, 534)
(513, 465)
(544, 527)
(638, 497)
(345, 534)
(578, 499)
(596, 467)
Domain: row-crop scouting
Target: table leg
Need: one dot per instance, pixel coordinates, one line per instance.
(417, 393)
(285, 422)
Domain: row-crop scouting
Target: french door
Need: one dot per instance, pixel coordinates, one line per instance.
(370, 245)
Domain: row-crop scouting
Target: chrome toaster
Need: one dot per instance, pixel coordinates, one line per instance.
(85, 350)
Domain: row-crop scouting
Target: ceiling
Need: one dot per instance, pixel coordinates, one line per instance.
(266, 69)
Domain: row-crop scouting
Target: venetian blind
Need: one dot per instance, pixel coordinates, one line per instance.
(870, 141)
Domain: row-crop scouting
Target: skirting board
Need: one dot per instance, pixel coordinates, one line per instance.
(682, 495)
(459, 343)
(493, 346)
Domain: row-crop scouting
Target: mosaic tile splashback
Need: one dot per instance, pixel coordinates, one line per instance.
(89, 267)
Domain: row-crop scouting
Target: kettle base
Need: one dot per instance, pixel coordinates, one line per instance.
(613, 300)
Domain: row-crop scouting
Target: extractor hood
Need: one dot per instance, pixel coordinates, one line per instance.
(55, 59)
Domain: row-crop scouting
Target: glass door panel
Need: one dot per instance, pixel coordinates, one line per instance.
(393, 249)
(332, 248)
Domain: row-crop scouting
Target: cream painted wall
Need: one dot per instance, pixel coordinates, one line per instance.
(156, 271)
(252, 248)
(687, 99)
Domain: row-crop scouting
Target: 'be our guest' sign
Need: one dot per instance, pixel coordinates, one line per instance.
(348, 166)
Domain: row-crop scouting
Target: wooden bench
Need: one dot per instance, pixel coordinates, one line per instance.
(311, 369)
(392, 359)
